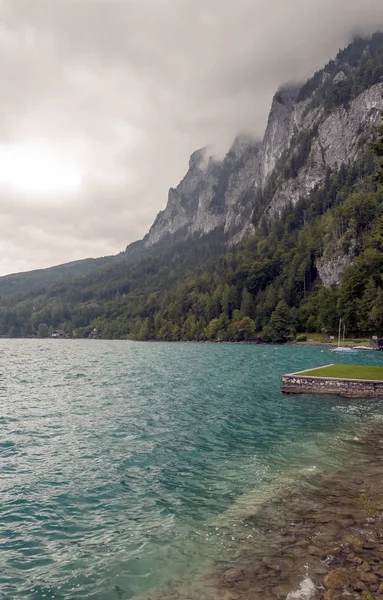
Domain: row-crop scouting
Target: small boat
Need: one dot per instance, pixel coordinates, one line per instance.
(364, 348)
(343, 349)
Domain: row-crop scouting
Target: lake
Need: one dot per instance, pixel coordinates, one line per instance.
(127, 467)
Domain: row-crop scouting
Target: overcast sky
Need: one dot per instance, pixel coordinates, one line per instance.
(103, 101)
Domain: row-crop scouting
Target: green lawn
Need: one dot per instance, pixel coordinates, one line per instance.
(347, 372)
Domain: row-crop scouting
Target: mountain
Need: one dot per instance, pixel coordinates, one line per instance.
(311, 128)
(282, 235)
(213, 195)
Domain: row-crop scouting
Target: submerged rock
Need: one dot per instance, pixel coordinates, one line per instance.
(305, 591)
(332, 553)
(369, 578)
(337, 580)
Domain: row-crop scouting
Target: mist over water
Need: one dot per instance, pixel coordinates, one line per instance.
(126, 467)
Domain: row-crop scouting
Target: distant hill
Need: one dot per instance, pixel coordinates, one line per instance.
(22, 283)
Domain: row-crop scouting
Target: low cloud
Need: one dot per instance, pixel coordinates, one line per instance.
(127, 89)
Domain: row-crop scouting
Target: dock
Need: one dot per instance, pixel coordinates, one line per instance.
(349, 381)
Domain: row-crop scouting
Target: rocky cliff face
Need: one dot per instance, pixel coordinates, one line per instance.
(279, 130)
(311, 129)
(212, 194)
(339, 138)
(190, 206)
(333, 263)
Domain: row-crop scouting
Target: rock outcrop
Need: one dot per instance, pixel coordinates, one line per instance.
(333, 263)
(311, 129)
(339, 138)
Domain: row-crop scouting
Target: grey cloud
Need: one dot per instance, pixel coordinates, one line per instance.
(129, 88)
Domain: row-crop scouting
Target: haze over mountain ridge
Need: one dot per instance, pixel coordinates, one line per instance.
(123, 92)
(221, 193)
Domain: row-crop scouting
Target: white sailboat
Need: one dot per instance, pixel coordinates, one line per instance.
(343, 349)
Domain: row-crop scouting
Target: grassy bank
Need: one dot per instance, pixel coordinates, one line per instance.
(348, 372)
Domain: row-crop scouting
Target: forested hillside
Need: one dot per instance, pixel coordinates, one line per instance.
(313, 249)
(20, 283)
(128, 284)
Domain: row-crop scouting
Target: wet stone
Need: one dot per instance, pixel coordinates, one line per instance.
(318, 569)
(297, 551)
(275, 568)
(233, 575)
(374, 559)
(282, 590)
(369, 545)
(368, 577)
(324, 539)
(340, 542)
(354, 541)
(323, 518)
(336, 595)
(266, 594)
(363, 568)
(359, 586)
(346, 522)
(314, 551)
(337, 580)
(331, 595)
(334, 550)
(290, 539)
(286, 564)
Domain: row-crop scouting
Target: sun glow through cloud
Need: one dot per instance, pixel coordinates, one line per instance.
(35, 168)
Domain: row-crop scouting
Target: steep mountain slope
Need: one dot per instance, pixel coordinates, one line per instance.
(213, 194)
(311, 129)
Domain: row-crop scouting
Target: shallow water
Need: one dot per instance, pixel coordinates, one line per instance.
(129, 467)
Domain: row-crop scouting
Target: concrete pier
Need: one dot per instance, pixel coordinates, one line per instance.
(299, 383)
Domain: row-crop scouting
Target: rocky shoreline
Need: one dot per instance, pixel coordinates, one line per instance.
(321, 540)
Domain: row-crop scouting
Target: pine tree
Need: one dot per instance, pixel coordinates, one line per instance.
(281, 327)
(365, 322)
(377, 313)
(247, 304)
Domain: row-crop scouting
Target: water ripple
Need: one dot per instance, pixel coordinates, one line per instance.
(124, 466)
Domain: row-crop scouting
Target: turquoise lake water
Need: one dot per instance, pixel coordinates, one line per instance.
(125, 467)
